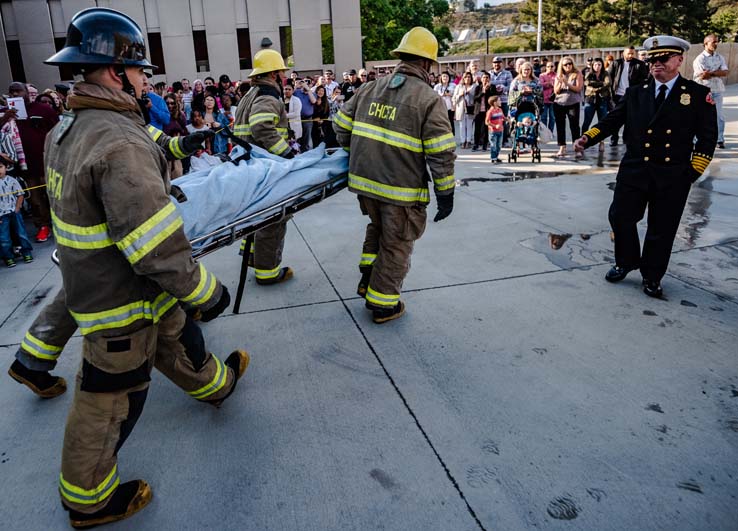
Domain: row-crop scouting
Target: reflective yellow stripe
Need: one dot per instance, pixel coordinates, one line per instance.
(204, 289)
(591, 133)
(343, 121)
(367, 259)
(82, 496)
(154, 133)
(439, 143)
(141, 240)
(39, 349)
(282, 131)
(398, 193)
(445, 183)
(242, 130)
(78, 237)
(387, 136)
(280, 147)
(124, 315)
(261, 117)
(381, 299)
(215, 385)
(266, 274)
(175, 148)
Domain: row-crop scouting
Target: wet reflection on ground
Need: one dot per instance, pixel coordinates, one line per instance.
(567, 250)
(512, 176)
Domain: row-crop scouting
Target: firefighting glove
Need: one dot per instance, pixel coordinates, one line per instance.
(193, 142)
(445, 206)
(220, 307)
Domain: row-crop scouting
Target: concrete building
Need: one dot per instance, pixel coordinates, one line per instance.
(189, 38)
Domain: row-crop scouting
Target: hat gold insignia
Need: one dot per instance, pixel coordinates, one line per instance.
(685, 99)
(654, 43)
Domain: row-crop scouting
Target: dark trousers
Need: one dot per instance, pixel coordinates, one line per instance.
(452, 120)
(481, 133)
(665, 207)
(561, 113)
(614, 137)
(506, 130)
(39, 200)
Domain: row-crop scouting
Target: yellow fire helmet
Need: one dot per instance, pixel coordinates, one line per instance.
(419, 42)
(267, 61)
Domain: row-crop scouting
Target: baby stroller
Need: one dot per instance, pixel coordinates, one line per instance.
(524, 131)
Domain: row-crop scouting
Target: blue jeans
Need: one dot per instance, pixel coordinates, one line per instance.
(547, 117)
(13, 224)
(495, 144)
(589, 111)
(718, 98)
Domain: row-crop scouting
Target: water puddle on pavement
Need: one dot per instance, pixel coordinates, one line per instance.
(567, 250)
(513, 176)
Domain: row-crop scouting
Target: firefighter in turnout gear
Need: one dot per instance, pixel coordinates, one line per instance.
(44, 341)
(125, 264)
(261, 119)
(395, 128)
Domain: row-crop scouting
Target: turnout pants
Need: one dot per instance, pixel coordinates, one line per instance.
(110, 392)
(665, 207)
(388, 244)
(268, 246)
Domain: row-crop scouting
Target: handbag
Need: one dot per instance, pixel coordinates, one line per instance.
(470, 109)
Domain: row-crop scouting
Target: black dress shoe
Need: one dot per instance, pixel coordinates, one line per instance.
(652, 288)
(617, 273)
(721, 145)
(614, 142)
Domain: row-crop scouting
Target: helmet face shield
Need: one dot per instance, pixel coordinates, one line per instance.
(100, 36)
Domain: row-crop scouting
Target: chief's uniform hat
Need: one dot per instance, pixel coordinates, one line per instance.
(664, 45)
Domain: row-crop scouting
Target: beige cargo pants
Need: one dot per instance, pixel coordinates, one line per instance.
(388, 244)
(109, 396)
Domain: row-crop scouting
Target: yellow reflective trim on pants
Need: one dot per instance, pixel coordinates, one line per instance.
(147, 236)
(440, 143)
(381, 299)
(261, 117)
(204, 289)
(39, 349)
(78, 237)
(266, 274)
(82, 496)
(154, 133)
(124, 315)
(387, 136)
(215, 385)
(280, 147)
(175, 148)
(445, 183)
(397, 193)
(343, 121)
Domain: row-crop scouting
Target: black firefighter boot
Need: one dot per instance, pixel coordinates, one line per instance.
(40, 382)
(390, 314)
(238, 360)
(366, 273)
(127, 500)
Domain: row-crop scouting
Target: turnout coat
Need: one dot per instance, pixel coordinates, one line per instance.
(661, 144)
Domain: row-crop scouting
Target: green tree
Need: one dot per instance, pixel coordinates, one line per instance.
(724, 24)
(384, 22)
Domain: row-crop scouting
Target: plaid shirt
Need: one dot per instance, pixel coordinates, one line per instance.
(10, 190)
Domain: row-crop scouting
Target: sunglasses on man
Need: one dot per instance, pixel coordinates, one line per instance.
(663, 59)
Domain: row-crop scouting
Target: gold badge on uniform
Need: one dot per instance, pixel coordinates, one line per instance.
(685, 99)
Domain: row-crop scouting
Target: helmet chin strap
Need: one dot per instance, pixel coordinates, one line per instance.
(127, 87)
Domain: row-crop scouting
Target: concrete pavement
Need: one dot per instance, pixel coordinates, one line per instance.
(520, 390)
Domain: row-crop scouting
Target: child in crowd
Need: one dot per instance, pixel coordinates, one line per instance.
(495, 121)
(526, 131)
(292, 141)
(11, 220)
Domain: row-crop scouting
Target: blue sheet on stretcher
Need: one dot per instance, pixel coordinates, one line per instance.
(225, 193)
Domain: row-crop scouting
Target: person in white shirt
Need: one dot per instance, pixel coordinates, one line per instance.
(293, 106)
(330, 82)
(445, 89)
(709, 69)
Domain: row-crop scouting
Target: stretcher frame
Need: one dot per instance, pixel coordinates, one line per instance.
(246, 227)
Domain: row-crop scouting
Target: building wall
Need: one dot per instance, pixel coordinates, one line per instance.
(35, 23)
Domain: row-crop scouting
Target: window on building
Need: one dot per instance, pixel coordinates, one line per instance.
(157, 53)
(285, 41)
(66, 72)
(202, 61)
(16, 61)
(326, 39)
(244, 48)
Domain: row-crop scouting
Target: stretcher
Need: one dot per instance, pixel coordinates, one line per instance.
(272, 207)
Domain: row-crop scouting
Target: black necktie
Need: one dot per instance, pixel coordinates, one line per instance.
(661, 97)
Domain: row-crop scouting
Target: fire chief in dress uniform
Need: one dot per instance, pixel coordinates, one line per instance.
(670, 135)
